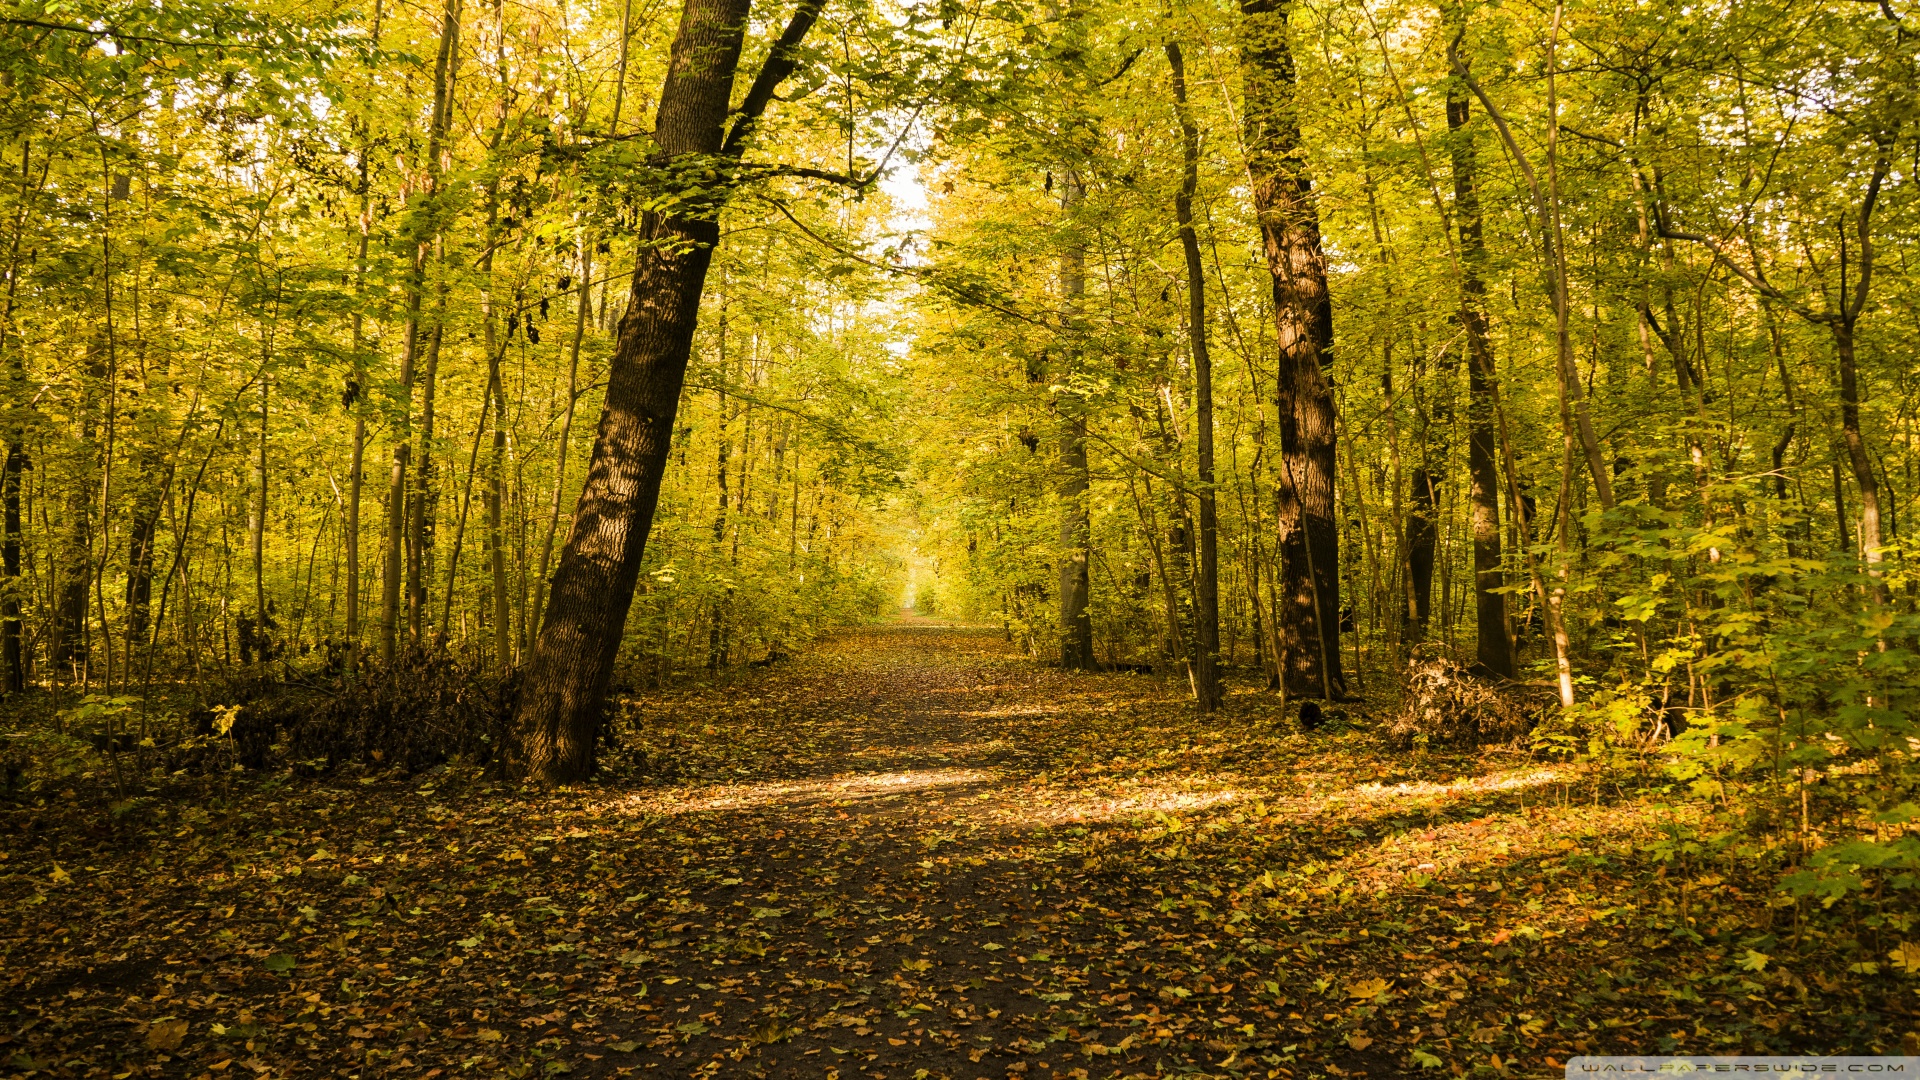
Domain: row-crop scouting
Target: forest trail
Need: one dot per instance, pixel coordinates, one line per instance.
(909, 853)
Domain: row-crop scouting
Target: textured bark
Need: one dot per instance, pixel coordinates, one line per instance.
(1309, 539)
(1205, 664)
(563, 697)
(1494, 648)
(1076, 624)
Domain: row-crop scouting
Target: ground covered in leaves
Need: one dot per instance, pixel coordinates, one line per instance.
(912, 853)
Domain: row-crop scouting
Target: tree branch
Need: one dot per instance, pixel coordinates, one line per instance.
(781, 60)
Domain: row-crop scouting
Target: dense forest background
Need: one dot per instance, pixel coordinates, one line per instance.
(1570, 343)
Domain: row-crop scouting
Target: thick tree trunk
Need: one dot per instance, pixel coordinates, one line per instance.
(1494, 649)
(1303, 312)
(563, 698)
(1076, 624)
(1205, 666)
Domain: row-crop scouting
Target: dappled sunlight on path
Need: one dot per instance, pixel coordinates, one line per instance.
(909, 854)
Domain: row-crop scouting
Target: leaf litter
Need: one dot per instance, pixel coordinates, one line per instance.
(917, 855)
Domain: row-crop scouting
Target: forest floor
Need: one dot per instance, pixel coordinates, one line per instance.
(910, 854)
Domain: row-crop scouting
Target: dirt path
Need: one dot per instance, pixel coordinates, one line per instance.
(909, 854)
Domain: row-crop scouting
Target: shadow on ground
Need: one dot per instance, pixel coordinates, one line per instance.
(910, 854)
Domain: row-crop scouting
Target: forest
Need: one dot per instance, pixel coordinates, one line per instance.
(986, 537)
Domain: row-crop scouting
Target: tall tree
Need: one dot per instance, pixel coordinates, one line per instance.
(1493, 648)
(1309, 540)
(1075, 625)
(403, 554)
(1205, 671)
(563, 696)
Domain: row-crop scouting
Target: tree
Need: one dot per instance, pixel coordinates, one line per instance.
(564, 691)
(1309, 538)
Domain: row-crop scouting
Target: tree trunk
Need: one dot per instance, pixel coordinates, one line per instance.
(1205, 667)
(582, 312)
(1494, 649)
(1076, 624)
(1303, 323)
(1856, 447)
(398, 564)
(257, 513)
(562, 700)
(423, 505)
(140, 553)
(12, 651)
(356, 386)
(1574, 417)
(1422, 537)
(12, 637)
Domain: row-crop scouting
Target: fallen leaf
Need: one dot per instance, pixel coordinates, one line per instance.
(166, 1034)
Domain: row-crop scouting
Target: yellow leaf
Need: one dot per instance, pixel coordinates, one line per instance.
(166, 1034)
(59, 876)
(1906, 957)
(488, 1035)
(1368, 989)
(1359, 1041)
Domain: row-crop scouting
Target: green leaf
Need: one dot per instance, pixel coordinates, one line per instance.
(1426, 1060)
(281, 962)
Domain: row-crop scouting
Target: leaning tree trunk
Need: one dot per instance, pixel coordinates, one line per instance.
(1494, 650)
(557, 718)
(1303, 312)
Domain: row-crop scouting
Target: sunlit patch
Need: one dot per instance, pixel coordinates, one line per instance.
(843, 789)
(1055, 807)
(1449, 855)
(1466, 785)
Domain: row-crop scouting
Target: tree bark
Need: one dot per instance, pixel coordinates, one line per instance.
(12, 636)
(1494, 649)
(1303, 322)
(562, 700)
(1075, 623)
(1205, 664)
(12, 651)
